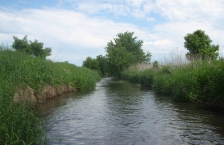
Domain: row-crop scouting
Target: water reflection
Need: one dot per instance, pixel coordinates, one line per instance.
(118, 112)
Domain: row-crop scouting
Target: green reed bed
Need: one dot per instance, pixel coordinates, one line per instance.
(76, 77)
(140, 73)
(200, 81)
(145, 77)
(18, 122)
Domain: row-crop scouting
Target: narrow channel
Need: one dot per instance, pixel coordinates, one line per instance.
(121, 113)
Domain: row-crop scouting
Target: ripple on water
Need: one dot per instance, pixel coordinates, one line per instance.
(123, 113)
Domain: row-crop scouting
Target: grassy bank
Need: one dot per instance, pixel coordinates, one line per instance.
(25, 81)
(140, 73)
(200, 81)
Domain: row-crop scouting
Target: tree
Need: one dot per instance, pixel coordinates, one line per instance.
(124, 51)
(155, 64)
(91, 63)
(21, 45)
(132, 45)
(199, 44)
(46, 52)
(118, 60)
(102, 64)
(34, 49)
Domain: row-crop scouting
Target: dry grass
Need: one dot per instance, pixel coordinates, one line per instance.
(141, 67)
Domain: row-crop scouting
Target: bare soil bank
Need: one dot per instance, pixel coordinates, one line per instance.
(29, 95)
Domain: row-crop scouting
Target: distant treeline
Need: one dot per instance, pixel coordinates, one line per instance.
(126, 50)
(199, 79)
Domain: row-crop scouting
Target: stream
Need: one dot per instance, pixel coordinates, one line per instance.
(122, 113)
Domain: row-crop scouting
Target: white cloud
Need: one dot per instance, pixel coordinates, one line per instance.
(65, 31)
(184, 10)
(191, 10)
(135, 8)
(76, 33)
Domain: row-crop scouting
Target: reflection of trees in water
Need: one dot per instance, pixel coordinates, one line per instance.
(124, 102)
(123, 93)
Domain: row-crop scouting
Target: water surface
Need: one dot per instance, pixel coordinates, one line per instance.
(121, 113)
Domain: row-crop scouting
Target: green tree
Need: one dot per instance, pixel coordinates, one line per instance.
(91, 63)
(119, 59)
(155, 64)
(21, 45)
(199, 44)
(34, 49)
(46, 52)
(102, 64)
(124, 51)
(130, 42)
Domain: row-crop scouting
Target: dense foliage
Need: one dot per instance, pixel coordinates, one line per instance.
(199, 81)
(155, 64)
(129, 41)
(91, 63)
(31, 48)
(19, 124)
(123, 52)
(102, 64)
(118, 60)
(199, 46)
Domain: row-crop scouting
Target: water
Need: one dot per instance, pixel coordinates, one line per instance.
(120, 113)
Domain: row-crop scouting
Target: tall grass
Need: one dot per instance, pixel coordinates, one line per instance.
(198, 81)
(140, 73)
(18, 71)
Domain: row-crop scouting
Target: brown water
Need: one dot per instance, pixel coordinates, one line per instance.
(121, 113)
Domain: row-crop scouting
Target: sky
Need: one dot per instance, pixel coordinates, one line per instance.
(76, 29)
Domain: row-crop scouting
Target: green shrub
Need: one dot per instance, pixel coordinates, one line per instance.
(162, 84)
(155, 64)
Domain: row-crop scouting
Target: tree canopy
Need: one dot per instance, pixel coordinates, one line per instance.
(91, 63)
(199, 44)
(102, 60)
(31, 48)
(130, 42)
(118, 60)
(124, 51)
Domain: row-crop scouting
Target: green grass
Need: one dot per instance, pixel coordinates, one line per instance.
(19, 124)
(199, 81)
(140, 73)
(145, 77)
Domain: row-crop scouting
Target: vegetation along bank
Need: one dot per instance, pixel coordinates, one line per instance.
(197, 82)
(200, 78)
(28, 79)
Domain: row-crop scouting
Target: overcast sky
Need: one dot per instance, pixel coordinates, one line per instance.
(75, 29)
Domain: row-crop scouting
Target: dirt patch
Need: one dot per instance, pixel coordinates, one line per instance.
(27, 94)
